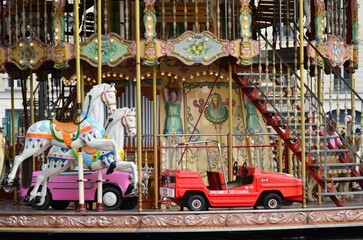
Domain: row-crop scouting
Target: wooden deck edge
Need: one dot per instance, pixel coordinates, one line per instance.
(187, 222)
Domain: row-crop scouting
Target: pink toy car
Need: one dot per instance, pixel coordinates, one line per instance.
(63, 189)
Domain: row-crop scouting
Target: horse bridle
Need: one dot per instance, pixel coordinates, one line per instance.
(104, 98)
(124, 123)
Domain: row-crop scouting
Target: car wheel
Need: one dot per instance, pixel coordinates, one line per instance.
(129, 203)
(36, 204)
(111, 198)
(196, 203)
(59, 205)
(272, 201)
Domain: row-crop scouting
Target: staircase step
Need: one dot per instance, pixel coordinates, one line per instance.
(334, 165)
(342, 179)
(340, 193)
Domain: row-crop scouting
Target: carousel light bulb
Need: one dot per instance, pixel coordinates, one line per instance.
(88, 79)
(20, 44)
(148, 75)
(96, 40)
(183, 79)
(31, 44)
(210, 73)
(169, 74)
(175, 77)
(103, 75)
(121, 75)
(149, 18)
(111, 40)
(191, 76)
(190, 57)
(246, 18)
(205, 57)
(127, 77)
(96, 58)
(197, 74)
(84, 76)
(149, 26)
(162, 73)
(149, 34)
(108, 74)
(204, 73)
(31, 61)
(114, 74)
(142, 78)
(56, 30)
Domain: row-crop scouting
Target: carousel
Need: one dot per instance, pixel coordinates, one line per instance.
(137, 88)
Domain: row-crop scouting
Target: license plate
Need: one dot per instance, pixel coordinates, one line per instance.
(167, 192)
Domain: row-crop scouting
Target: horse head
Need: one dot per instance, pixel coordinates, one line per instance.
(129, 121)
(109, 97)
(103, 93)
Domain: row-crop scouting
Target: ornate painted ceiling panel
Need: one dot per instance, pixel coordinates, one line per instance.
(114, 49)
(193, 48)
(28, 53)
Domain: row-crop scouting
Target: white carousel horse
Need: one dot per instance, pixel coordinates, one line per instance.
(60, 159)
(88, 132)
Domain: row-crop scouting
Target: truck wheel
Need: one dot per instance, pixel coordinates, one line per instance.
(59, 205)
(37, 205)
(196, 203)
(272, 201)
(112, 198)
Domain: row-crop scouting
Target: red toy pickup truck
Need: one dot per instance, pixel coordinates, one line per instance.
(251, 188)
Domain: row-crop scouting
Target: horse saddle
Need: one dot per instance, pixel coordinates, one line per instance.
(68, 127)
(65, 132)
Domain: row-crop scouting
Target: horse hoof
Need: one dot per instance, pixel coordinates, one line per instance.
(129, 189)
(111, 168)
(16, 182)
(26, 199)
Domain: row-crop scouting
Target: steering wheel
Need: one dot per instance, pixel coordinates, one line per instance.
(235, 168)
(244, 169)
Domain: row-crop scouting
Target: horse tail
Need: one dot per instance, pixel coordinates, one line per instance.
(27, 172)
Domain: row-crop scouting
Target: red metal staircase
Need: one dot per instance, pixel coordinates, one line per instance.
(276, 120)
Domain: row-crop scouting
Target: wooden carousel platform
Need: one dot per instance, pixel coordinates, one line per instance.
(21, 218)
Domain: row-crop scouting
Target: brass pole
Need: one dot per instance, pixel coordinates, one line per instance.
(138, 98)
(99, 42)
(320, 110)
(32, 107)
(155, 144)
(230, 122)
(352, 97)
(99, 205)
(31, 97)
(81, 204)
(302, 88)
(15, 192)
